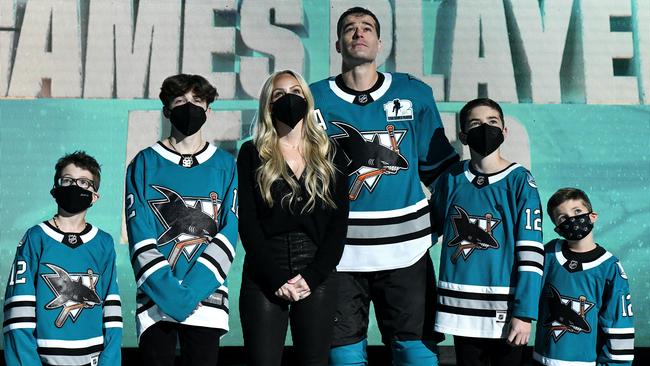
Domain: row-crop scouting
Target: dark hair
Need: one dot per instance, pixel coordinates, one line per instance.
(467, 109)
(357, 10)
(180, 84)
(81, 160)
(564, 194)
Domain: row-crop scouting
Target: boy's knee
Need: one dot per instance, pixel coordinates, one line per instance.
(349, 355)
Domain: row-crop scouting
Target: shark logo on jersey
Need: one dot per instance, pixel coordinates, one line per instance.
(566, 314)
(472, 232)
(371, 154)
(72, 291)
(189, 222)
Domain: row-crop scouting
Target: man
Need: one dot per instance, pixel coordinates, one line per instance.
(390, 130)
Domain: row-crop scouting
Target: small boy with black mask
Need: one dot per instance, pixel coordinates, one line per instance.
(62, 303)
(585, 310)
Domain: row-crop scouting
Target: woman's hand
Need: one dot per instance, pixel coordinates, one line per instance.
(301, 286)
(287, 292)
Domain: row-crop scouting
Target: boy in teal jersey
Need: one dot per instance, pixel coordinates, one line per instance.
(489, 214)
(62, 304)
(586, 310)
(181, 209)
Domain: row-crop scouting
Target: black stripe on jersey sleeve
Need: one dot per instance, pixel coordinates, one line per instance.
(215, 264)
(465, 311)
(529, 248)
(390, 220)
(474, 295)
(223, 248)
(621, 352)
(222, 293)
(112, 319)
(389, 239)
(112, 303)
(22, 319)
(147, 266)
(144, 307)
(531, 263)
(70, 351)
(142, 250)
(16, 304)
(216, 306)
(620, 336)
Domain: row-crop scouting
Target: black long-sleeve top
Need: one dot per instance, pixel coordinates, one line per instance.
(326, 226)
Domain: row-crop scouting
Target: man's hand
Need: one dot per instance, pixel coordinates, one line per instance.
(519, 332)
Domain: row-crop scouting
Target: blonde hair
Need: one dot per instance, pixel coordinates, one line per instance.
(318, 152)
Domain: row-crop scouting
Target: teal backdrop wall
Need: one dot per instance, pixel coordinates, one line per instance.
(574, 120)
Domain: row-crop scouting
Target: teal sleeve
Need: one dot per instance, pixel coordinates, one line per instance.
(20, 346)
(153, 274)
(616, 320)
(112, 313)
(529, 250)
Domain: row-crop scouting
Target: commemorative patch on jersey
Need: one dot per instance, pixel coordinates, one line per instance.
(472, 233)
(531, 180)
(372, 154)
(398, 110)
(566, 314)
(189, 222)
(73, 292)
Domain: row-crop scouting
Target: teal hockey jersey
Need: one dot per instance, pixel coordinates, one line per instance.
(62, 304)
(393, 138)
(585, 315)
(182, 226)
(492, 256)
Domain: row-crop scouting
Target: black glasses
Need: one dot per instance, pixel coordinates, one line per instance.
(84, 183)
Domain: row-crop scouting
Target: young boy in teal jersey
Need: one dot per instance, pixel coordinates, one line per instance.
(489, 214)
(62, 304)
(585, 311)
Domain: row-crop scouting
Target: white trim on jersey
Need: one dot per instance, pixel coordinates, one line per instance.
(68, 360)
(60, 343)
(89, 235)
(142, 243)
(225, 240)
(501, 290)
(166, 154)
(383, 257)
(389, 213)
(211, 268)
(388, 80)
(585, 265)
(553, 362)
(204, 316)
(469, 326)
(206, 154)
(626, 357)
(618, 330)
(51, 233)
(491, 178)
(20, 298)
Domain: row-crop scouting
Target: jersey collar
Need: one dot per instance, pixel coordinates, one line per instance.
(574, 262)
(482, 180)
(377, 91)
(72, 240)
(200, 157)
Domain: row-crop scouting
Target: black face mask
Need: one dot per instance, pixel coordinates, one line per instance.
(72, 199)
(576, 227)
(289, 109)
(484, 139)
(187, 118)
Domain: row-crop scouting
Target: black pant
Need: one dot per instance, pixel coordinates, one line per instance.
(264, 316)
(404, 301)
(199, 345)
(486, 351)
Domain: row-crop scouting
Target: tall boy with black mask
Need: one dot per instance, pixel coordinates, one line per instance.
(62, 303)
(488, 211)
(181, 209)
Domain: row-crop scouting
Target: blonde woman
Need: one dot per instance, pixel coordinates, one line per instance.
(293, 209)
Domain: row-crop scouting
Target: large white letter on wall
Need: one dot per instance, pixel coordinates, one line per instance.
(601, 47)
(542, 35)
(202, 39)
(48, 58)
(261, 34)
(481, 52)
